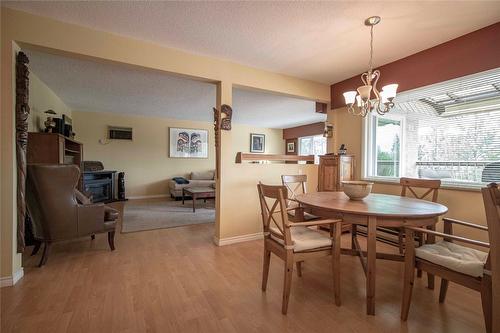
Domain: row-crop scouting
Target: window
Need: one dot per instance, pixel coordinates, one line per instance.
(312, 145)
(448, 131)
(388, 133)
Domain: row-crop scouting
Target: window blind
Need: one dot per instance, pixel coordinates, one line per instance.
(451, 131)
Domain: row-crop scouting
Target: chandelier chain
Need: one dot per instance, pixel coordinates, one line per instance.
(370, 65)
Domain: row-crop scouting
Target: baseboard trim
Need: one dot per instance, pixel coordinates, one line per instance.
(148, 196)
(237, 239)
(9, 281)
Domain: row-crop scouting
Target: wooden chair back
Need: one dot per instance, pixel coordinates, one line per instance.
(295, 184)
(274, 212)
(491, 198)
(430, 186)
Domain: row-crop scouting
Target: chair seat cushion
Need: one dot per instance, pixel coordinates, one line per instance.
(453, 256)
(304, 238)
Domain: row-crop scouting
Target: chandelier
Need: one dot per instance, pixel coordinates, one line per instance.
(362, 102)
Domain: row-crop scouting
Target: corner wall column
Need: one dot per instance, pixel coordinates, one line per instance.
(10, 261)
(224, 96)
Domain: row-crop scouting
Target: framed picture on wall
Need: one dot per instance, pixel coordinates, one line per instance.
(257, 143)
(188, 142)
(290, 147)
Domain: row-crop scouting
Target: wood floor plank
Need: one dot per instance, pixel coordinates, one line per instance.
(176, 280)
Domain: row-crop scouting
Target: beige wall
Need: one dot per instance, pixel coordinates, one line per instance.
(240, 139)
(347, 129)
(58, 37)
(240, 208)
(10, 261)
(43, 98)
(145, 160)
(239, 204)
(465, 205)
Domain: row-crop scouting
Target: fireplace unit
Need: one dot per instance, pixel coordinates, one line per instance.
(98, 183)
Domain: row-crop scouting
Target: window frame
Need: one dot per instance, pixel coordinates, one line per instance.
(309, 136)
(367, 157)
(369, 149)
(316, 157)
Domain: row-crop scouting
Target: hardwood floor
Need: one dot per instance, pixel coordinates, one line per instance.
(176, 280)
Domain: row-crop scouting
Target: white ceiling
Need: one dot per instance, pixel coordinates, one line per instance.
(87, 85)
(322, 41)
(256, 107)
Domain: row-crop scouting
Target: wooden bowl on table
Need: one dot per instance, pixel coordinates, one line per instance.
(357, 189)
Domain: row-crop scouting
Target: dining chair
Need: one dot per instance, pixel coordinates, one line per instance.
(410, 187)
(417, 188)
(295, 185)
(423, 189)
(294, 242)
(460, 264)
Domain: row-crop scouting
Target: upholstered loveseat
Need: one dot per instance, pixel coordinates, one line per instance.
(196, 179)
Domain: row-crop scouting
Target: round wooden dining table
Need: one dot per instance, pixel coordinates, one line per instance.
(376, 210)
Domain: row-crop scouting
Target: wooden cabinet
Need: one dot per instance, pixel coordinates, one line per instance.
(53, 148)
(333, 169)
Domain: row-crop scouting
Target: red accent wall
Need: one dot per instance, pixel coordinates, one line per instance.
(475, 52)
(305, 130)
(321, 107)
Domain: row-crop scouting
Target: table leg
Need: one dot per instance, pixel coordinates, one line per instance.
(371, 261)
(194, 203)
(354, 232)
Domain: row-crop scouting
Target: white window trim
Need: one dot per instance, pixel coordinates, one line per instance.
(367, 156)
(299, 148)
(367, 151)
(305, 137)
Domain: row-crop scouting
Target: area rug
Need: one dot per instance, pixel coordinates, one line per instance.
(140, 215)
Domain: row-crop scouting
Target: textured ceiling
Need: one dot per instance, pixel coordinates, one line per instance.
(322, 41)
(86, 85)
(255, 107)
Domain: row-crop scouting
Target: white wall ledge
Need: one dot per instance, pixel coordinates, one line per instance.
(452, 187)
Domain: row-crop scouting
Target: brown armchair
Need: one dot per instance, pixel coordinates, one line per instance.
(56, 214)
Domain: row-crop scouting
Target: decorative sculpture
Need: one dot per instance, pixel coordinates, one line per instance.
(50, 124)
(342, 149)
(227, 111)
(217, 127)
(22, 113)
(222, 121)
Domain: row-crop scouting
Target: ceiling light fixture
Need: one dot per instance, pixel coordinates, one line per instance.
(360, 103)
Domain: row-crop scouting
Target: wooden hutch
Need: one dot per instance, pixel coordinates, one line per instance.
(54, 148)
(333, 169)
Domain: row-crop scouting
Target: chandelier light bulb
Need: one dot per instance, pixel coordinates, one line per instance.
(390, 90)
(365, 92)
(350, 97)
(358, 101)
(384, 97)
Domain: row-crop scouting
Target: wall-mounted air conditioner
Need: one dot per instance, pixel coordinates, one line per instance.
(119, 133)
